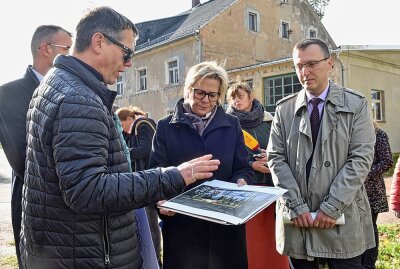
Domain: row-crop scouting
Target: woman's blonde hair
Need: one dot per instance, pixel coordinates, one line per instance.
(203, 70)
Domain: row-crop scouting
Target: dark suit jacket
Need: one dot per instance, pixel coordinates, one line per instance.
(14, 102)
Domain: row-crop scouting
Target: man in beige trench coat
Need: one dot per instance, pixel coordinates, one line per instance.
(322, 165)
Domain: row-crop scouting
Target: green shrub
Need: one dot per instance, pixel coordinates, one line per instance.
(395, 156)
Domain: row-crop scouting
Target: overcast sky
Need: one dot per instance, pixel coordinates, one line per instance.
(349, 22)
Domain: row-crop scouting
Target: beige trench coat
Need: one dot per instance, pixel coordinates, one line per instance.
(343, 155)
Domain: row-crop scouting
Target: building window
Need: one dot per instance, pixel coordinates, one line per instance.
(378, 112)
(252, 17)
(285, 30)
(313, 34)
(120, 86)
(142, 75)
(250, 83)
(275, 88)
(172, 71)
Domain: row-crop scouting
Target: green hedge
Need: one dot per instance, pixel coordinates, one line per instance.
(389, 173)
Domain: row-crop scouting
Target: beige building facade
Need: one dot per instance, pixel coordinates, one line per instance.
(375, 71)
(237, 33)
(254, 39)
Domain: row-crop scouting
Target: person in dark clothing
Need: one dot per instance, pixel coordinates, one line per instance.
(376, 190)
(47, 41)
(138, 131)
(78, 192)
(198, 126)
(260, 230)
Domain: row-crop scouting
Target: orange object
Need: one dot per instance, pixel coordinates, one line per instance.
(250, 141)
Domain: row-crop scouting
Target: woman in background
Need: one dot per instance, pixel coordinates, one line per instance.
(138, 132)
(376, 191)
(260, 230)
(395, 191)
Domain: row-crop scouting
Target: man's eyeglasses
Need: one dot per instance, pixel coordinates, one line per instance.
(200, 94)
(59, 46)
(128, 52)
(310, 65)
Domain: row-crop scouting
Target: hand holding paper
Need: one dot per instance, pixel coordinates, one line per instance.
(287, 220)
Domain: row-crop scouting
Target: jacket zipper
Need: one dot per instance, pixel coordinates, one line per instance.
(106, 242)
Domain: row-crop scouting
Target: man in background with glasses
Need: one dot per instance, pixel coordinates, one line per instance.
(321, 149)
(79, 195)
(47, 42)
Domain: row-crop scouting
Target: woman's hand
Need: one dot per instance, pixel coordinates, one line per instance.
(164, 211)
(241, 182)
(260, 166)
(260, 163)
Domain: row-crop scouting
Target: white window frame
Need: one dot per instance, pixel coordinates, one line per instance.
(277, 87)
(175, 71)
(378, 105)
(252, 21)
(140, 80)
(120, 85)
(284, 33)
(312, 29)
(255, 27)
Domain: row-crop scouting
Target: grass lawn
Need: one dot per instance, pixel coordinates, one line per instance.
(389, 246)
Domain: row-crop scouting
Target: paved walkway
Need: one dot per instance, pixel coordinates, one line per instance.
(387, 217)
(6, 237)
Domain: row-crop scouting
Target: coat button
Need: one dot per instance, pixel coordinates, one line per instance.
(327, 164)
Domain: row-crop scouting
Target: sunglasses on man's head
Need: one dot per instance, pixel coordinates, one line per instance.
(128, 52)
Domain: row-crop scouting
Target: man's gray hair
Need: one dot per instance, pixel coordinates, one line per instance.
(101, 20)
(45, 34)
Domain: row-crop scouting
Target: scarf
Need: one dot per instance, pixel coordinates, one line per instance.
(199, 123)
(248, 119)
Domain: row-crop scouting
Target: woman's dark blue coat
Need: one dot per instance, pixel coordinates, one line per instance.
(190, 242)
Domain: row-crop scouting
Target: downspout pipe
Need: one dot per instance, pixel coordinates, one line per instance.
(199, 45)
(337, 52)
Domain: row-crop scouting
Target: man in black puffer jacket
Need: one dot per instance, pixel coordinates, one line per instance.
(78, 193)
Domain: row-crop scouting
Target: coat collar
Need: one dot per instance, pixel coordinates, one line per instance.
(335, 97)
(29, 74)
(73, 66)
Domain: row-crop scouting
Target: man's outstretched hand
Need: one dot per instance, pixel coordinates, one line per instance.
(199, 168)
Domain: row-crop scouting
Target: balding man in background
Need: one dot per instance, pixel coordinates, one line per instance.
(47, 42)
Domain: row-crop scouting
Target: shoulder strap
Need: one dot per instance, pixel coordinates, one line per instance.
(144, 121)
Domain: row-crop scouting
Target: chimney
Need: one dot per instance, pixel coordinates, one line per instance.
(195, 3)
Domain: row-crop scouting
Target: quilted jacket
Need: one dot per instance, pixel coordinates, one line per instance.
(78, 194)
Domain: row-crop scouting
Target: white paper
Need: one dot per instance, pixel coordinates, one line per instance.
(224, 202)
